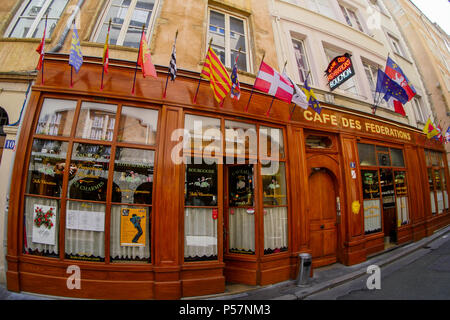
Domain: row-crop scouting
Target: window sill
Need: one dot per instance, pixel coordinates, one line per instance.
(112, 47)
(31, 40)
(402, 57)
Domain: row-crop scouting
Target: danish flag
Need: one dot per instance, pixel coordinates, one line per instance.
(273, 83)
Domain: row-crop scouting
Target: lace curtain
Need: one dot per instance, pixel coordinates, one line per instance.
(125, 253)
(83, 243)
(29, 245)
(402, 210)
(440, 201)
(433, 202)
(241, 231)
(200, 234)
(275, 229)
(372, 216)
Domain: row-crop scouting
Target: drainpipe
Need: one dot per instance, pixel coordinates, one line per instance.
(62, 39)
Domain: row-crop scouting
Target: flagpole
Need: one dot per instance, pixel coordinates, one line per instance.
(253, 88)
(43, 58)
(168, 72)
(273, 98)
(71, 67)
(293, 109)
(200, 77)
(137, 60)
(103, 67)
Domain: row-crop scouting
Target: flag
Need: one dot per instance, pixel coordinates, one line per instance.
(76, 57)
(273, 83)
(105, 58)
(299, 97)
(145, 59)
(41, 48)
(173, 62)
(390, 88)
(214, 71)
(236, 87)
(447, 135)
(311, 97)
(396, 106)
(430, 129)
(439, 137)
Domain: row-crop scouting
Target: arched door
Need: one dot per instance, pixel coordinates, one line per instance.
(322, 217)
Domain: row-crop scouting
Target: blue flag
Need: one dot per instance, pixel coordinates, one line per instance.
(76, 57)
(390, 88)
(311, 97)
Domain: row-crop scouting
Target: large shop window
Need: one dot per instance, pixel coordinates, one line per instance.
(384, 184)
(224, 185)
(437, 181)
(29, 21)
(127, 19)
(91, 166)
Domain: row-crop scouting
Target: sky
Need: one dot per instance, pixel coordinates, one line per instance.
(437, 11)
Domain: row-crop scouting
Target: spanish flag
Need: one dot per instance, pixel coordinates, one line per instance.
(105, 58)
(430, 129)
(145, 59)
(214, 71)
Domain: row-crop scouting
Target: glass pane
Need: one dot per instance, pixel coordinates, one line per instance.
(428, 158)
(242, 61)
(437, 179)
(203, 132)
(384, 160)
(271, 142)
(435, 161)
(39, 31)
(56, 117)
(46, 169)
(145, 4)
(237, 25)
(88, 176)
(138, 125)
(140, 17)
(241, 225)
(200, 234)
(387, 188)
(372, 216)
(397, 158)
(275, 230)
(21, 28)
(96, 121)
(431, 186)
(133, 37)
(444, 182)
(382, 149)
(130, 233)
(218, 38)
(56, 8)
(367, 155)
(400, 183)
(41, 226)
(240, 140)
(113, 34)
(133, 176)
(300, 57)
(217, 19)
(370, 184)
(201, 185)
(347, 18)
(85, 231)
(237, 41)
(274, 184)
(318, 142)
(240, 186)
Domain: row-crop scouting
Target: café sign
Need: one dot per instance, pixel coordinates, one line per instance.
(339, 70)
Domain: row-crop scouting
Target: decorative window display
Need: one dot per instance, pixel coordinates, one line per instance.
(437, 181)
(241, 217)
(201, 212)
(401, 191)
(96, 121)
(275, 208)
(372, 203)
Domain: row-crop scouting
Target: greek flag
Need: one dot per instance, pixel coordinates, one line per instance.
(76, 57)
(173, 63)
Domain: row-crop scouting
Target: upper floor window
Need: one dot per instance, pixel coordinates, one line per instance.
(323, 7)
(302, 60)
(371, 71)
(29, 21)
(349, 85)
(229, 34)
(396, 46)
(351, 18)
(127, 18)
(418, 109)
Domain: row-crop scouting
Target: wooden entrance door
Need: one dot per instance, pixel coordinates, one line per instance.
(322, 218)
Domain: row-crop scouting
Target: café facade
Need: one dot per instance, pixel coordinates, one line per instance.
(153, 197)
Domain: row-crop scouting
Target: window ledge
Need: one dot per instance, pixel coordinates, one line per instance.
(32, 40)
(402, 57)
(112, 47)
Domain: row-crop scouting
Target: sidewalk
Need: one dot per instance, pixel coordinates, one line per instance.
(324, 278)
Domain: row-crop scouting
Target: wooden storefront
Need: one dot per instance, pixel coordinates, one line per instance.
(327, 196)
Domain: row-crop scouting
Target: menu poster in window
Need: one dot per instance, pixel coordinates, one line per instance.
(133, 229)
(201, 185)
(44, 225)
(85, 220)
(241, 186)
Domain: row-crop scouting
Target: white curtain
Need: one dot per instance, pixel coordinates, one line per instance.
(29, 212)
(402, 210)
(446, 199)
(275, 228)
(83, 242)
(200, 233)
(241, 230)
(440, 201)
(433, 203)
(372, 215)
(127, 252)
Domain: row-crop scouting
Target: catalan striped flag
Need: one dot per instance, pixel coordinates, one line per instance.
(214, 71)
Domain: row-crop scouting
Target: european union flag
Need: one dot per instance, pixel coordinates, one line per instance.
(76, 57)
(390, 88)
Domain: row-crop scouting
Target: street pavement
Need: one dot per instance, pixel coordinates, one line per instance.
(418, 270)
